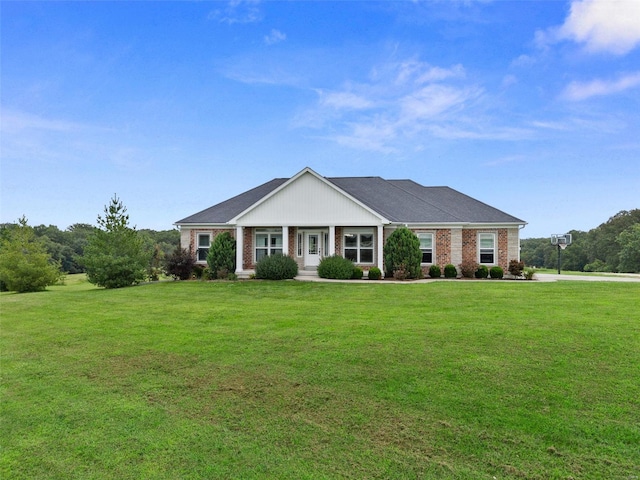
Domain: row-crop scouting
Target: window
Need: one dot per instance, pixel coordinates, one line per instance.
(487, 244)
(358, 247)
(204, 242)
(426, 247)
(267, 243)
(300, 244)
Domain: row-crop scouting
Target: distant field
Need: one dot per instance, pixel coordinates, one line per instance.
(293, 380)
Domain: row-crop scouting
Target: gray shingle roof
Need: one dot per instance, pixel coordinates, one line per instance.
(401, 201)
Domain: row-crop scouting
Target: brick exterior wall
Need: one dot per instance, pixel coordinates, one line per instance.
(470, 246)
(193, 237)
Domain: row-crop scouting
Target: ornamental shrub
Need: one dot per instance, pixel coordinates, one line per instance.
(496, 272)
(450, 271)
(222, 256)
(481, 272)
(434, 271)
(180, 264)
(402, 252)
(529, 273)
(357, 273)
(468, 269)
(516, 267)
(375, 273)
(336, 267)
(276, 267)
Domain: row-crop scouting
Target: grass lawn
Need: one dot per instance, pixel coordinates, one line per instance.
(294, 380)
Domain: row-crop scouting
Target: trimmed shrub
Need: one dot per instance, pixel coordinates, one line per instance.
(336, 267)
(496, 272)
(402, 252)
(375, 273)
(516, 268)
(198, 271)
(222, 256)
(434, 271)
(450, 271)
(276, 267)
(357, 273)
(468, 269)
(529, 273)
(482, 271)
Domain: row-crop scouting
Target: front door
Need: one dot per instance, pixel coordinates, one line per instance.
(313, 251)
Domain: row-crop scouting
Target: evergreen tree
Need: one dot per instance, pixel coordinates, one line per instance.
(222, 256)
(25, 265)
(402, 254)
(115, 255)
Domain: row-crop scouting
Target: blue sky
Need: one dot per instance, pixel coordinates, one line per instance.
(532, 107)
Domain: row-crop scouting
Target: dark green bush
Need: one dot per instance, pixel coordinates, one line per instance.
(450, 271)
(434, 271)
(481, 272)
(336, 267)
(496, 272)
(276, 267)
(402, 252)
(357, 273)
(198, 271)
(222, 256)
(375, 273)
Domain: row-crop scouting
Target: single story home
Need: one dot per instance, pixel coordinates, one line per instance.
(309, 216)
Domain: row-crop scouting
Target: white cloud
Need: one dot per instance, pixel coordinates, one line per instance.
(577, 91)
(600, 25)
(344, 100)
(275, 36)
(238, 11)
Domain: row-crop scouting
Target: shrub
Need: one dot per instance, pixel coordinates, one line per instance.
(25, 265)
(180, 264)
(450, 271)
(222, 256)
(468, 269)
(357, 273)
(198, 271)
(529, 273)
(276, 267)
(375, 273)
(516, 267)
(335, 267)
(496, 272)
(402, 251)
(481, 272)
(434, 271)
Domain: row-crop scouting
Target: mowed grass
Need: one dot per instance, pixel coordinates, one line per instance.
(292, 380)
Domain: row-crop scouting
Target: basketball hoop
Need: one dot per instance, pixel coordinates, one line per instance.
(561, 241)
(562, 246)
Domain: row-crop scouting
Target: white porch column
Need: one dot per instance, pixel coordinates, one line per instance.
(332, 240)
(239, 250)
(380, 245)
(285, 240)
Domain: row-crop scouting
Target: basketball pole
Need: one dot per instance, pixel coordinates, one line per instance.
(559, 256)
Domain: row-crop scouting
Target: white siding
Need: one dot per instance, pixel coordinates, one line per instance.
(310, 202)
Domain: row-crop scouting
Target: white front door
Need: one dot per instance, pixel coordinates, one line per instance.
(313, 250)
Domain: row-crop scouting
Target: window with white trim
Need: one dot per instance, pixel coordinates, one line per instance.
(358, 246)
(204, 243)
(268, 242)
(426, 247)
(487, 248)
(300, 246)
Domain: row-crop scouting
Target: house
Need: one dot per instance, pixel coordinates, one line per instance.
(309, 216)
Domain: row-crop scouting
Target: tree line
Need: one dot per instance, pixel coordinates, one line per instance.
(613, 246)
(113, 254)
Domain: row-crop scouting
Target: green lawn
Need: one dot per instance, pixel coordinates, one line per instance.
(293, 380)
